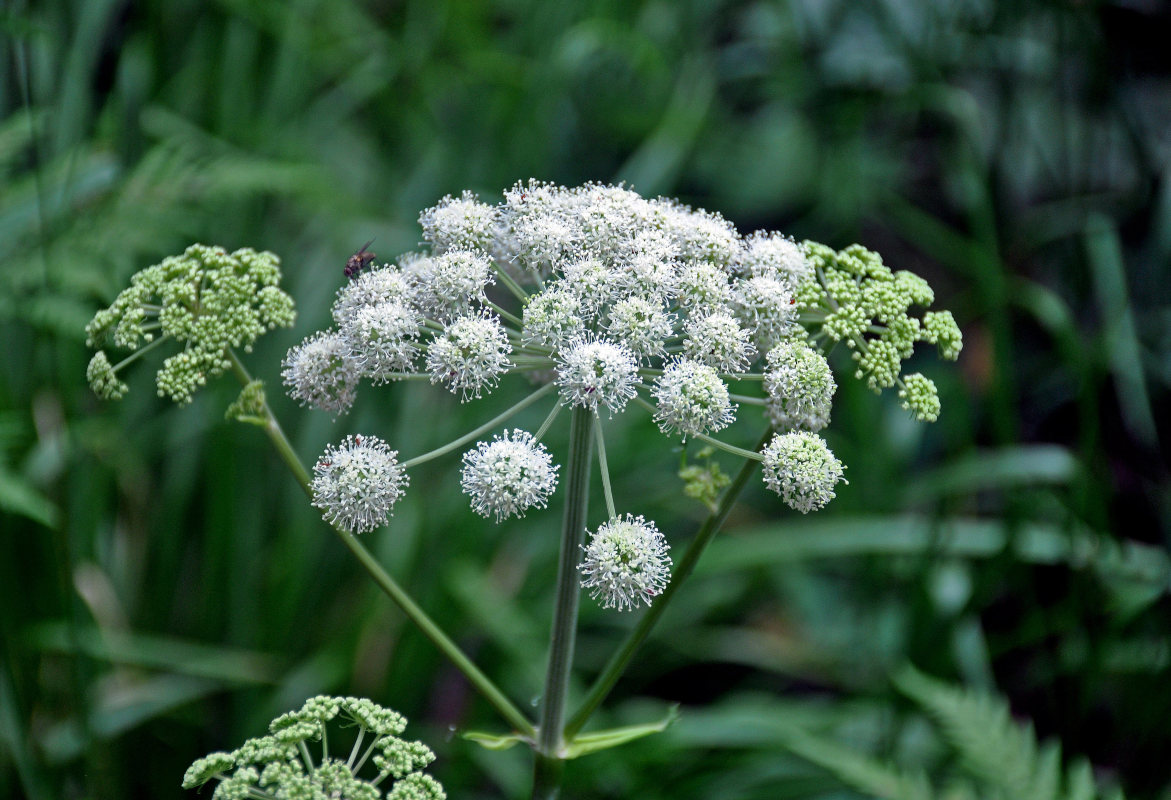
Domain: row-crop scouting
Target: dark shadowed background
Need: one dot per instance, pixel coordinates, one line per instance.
(165, 590)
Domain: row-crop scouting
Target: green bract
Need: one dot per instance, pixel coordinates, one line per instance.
(208, 300)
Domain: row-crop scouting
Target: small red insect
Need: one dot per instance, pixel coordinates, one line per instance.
(359, 261)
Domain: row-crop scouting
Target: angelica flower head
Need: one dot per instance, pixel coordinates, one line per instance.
(643, 326)
(274, 765)
(458, 223)
(691, 398)
(625, 563)
(648, 267)
(553, 317)
(718, 340)
(384, 284)
(799, 385)
(470, 355)
(383, 339)
(357, 483)
(765, 305)
(593, 372)
(703, 287)
(321, 373)
(800, 467)
(771, 255)
(592, 281)
(509, 475)
(452, 284)
(700, 235)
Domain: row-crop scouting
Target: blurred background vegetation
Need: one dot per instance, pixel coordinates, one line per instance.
(165, 590)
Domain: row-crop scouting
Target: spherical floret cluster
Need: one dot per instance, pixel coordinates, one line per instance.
(691, 399)
(626, 563)
(799, 385)
(470, 355)
(800, 467)
(509, 475)
(320, 373)
(357, 483)
(594, 372)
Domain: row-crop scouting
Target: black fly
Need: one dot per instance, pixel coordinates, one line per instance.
(359, 261)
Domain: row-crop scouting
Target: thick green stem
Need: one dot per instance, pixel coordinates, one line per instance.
(577, 485)
(387, 584)
(621, 659)
(547, 777)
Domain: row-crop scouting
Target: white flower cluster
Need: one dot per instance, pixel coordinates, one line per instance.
(626, 563)
(508, 476)
(614, 300)
(356, 483)
(613, 293)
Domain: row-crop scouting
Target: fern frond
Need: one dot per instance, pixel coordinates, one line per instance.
(996, 750)
(859, 771)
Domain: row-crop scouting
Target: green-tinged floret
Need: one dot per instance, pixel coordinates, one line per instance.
(919, 396)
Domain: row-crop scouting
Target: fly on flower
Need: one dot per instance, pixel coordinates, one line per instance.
(359, 261)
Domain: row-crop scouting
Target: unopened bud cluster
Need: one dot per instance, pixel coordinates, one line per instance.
(293, 760)
(207, 300)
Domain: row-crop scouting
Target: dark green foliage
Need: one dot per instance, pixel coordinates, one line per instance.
(166, 590)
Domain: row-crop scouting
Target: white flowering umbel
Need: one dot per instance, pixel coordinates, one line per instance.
(357, 483)
(614, 301)
(293, 760)
(590, 298)
(626, 563)
(508, 476)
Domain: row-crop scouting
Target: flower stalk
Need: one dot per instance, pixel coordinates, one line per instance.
(550, 740)
(617, 664)
(481, 682)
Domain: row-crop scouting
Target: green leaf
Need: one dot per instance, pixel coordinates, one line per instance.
(1117, 563)
(1121, 334)
(997, 469)
(859, 771)
(493, 741)
(587, 743)
(18, 496)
